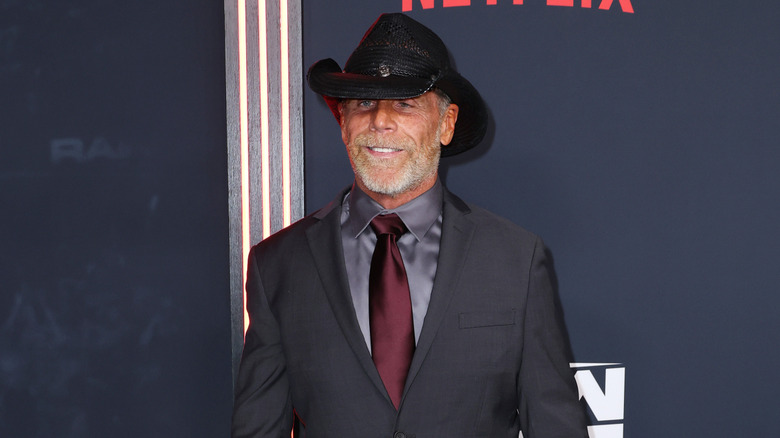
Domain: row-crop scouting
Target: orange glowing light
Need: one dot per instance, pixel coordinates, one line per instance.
(265, 156)
(244, 127)
(263, 161)
(285, 115)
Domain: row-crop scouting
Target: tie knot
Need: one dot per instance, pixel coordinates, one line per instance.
(388, 224)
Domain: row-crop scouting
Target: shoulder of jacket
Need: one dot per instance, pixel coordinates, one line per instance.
(489, 221)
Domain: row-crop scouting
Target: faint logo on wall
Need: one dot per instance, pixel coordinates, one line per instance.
(79, 151)
(602, 386)
(625, 5)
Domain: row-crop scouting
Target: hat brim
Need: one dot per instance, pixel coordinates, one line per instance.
(326, 78)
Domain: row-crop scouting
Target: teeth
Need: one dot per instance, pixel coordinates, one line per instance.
(383, 150)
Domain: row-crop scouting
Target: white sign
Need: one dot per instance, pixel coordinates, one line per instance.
(607, 404)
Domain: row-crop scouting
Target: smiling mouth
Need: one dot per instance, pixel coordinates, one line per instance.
(384, 150)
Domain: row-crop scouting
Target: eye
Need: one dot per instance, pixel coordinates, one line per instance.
(365, 103)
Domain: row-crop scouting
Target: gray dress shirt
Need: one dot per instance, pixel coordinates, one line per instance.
(419, 249)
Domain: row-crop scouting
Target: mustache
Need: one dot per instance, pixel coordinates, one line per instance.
(370, 140)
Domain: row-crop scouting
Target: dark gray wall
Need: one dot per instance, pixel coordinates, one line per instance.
(644, 149)
(114, 295)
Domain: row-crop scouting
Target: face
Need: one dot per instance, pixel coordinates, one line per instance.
(394, 145)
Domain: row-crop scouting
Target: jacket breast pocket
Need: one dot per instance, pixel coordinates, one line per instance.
(469, 320)
(489, 341)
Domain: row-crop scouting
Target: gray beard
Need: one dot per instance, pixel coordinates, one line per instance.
(410, 177)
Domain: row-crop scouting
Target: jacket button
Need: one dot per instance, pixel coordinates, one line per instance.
(399, 435)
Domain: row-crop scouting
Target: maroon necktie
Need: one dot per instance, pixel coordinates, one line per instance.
(390, 307)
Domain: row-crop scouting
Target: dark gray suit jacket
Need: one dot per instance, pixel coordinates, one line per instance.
(491, 357)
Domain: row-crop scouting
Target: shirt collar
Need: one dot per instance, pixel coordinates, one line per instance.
(418, 215)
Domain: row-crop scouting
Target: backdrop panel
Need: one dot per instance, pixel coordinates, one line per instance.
(643, 146)
(114, 304)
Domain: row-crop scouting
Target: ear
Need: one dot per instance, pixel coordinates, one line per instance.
(448, 124)
(340, 109)
(342, 124)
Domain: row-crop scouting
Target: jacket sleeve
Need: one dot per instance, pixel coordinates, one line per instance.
(262, 406)
(549, 401)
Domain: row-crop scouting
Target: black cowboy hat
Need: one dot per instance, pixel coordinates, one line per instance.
(399, 58)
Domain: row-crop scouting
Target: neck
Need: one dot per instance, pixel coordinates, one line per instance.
(390, 202)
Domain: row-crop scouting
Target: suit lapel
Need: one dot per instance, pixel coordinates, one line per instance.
(456, 235)
(324, 240)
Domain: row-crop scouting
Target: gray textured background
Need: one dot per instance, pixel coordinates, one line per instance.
(114, 304)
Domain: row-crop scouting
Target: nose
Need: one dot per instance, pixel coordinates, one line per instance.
(382, 118)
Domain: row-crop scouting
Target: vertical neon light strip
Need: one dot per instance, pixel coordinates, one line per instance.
(244, 122)
(263, 162)
(285, 90)
(265, 156)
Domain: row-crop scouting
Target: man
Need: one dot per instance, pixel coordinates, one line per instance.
(399, 310)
